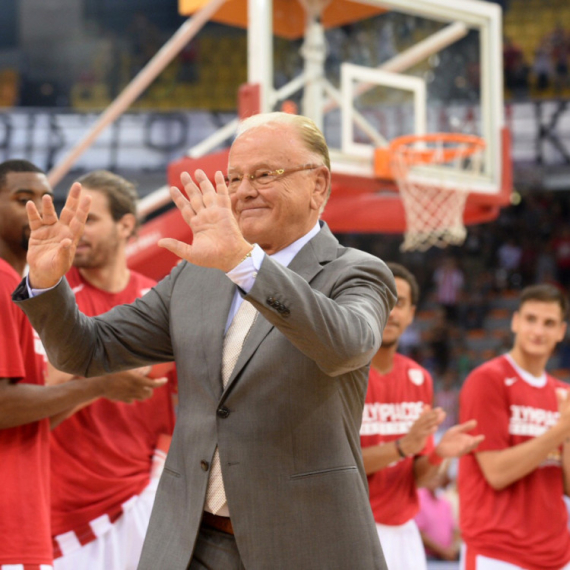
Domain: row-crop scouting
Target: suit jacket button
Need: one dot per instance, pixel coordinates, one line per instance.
(223, 412)
(204, 465)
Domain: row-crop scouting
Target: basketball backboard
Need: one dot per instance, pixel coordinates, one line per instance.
(396, 68)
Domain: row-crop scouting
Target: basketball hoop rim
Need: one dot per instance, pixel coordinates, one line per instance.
(467, 145)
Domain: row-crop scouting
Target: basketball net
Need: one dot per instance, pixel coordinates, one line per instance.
(433, 175)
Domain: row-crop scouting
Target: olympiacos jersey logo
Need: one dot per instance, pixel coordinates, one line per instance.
(416, 376)
(390, 419)
(531, 422)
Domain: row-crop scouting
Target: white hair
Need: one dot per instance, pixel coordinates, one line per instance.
(309, 133)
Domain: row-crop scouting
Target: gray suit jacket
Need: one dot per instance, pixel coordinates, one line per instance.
(287, 425)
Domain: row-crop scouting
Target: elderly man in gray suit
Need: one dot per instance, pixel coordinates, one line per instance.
(272, 325)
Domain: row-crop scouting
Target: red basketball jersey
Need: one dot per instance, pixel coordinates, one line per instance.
(24, 450)
(526, 523)
(394, 401)
(101, 456)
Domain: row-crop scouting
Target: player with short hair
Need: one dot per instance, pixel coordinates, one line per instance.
(27, 406)
(104, 475)
(512, 513)
(397, 434)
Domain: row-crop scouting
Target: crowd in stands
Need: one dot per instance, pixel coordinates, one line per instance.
(546, 73)
(208, 72)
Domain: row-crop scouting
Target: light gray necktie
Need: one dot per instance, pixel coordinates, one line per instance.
(233, 344)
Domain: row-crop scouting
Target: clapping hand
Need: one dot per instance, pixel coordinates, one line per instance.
(456, 442)
(53, 241)
(426, 424)
(218, 241)
(131, 385)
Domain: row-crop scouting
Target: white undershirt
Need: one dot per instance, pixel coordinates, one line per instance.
(244, 274)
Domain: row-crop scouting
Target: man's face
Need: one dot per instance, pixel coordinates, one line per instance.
(276, 215)
(17, 190)
(538, 326)
(100, 241)
(401, 315)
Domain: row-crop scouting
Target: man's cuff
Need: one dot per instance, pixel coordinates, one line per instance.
(244, 274)
(36, 292)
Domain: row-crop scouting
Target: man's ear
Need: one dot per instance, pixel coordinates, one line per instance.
(322, 184)
(127, 225)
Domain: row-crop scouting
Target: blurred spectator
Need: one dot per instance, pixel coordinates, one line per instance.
(511, 55)
(473, 248)
(145, 41)
(463, 359)
(519, 83)
(561, 247)
(435, 520)
(475, 307)
(530, 249)
(439, 343)
(188, 62)
(509, 257)
(449, 286)
(545, 269)
(447, 397)
(560, 47)
(542, 67)
(426, 357)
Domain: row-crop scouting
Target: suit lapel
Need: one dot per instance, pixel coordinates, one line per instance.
(318, 252)
(307, 263)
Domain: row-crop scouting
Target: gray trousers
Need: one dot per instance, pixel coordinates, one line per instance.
(215, 550)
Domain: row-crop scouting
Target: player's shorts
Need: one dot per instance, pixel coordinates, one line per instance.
(116, 545)
(471, 560)
(402, 546)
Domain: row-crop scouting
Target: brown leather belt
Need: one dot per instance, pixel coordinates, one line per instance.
(219, 523)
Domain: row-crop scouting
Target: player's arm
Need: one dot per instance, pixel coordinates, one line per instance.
(506, 466)
(22, 403)
(55, 377)
(377, 457)
(455, 442)
(125, 386)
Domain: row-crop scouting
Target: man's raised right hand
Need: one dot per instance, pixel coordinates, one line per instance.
(53, 241)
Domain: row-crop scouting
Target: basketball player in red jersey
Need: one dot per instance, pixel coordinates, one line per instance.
(104, 476)
(397, 435)
(26, 405)
(512, 513)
